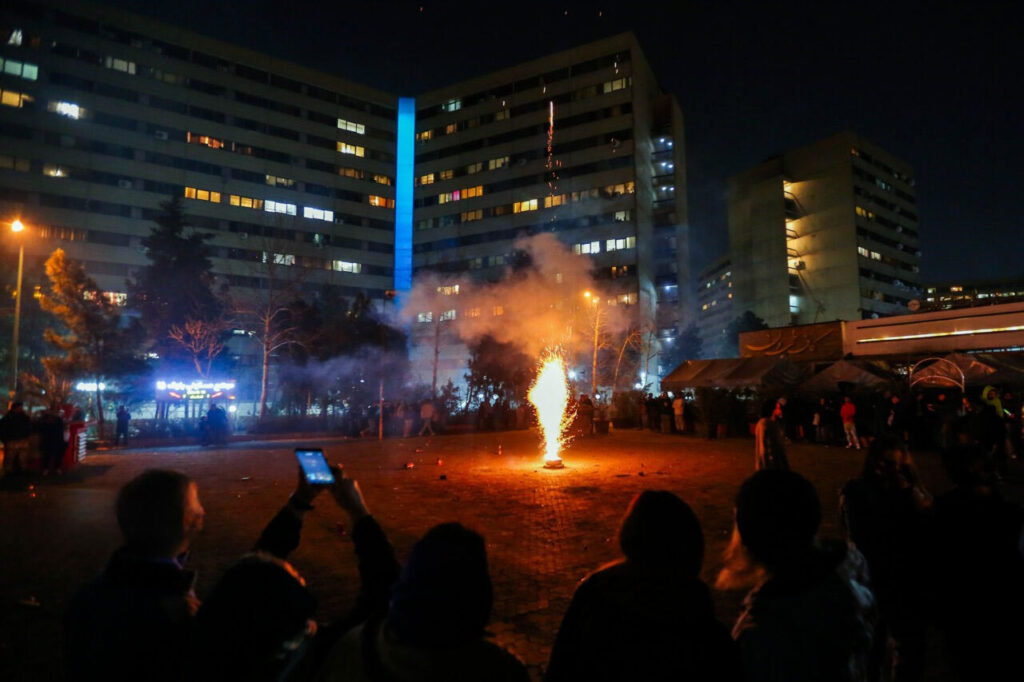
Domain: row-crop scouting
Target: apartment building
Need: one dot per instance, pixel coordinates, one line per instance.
(106, 115)
(715, 309)
(825, 232)
(582, 144)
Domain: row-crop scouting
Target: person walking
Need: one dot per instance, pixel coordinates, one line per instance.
(15, 429)
(677, 413)
(427, 418)
(769, 443)
(123, 418)
(848, 413)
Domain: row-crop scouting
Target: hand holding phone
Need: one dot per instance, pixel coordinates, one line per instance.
(314, 466)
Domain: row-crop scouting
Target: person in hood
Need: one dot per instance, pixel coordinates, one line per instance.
(435, 624)
(811, 616)
(647, 616)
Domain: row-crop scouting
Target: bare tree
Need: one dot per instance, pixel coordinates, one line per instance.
(202, 339)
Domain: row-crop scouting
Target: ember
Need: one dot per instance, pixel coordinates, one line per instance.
(550, 396)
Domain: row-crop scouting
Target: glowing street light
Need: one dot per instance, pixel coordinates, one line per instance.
(17, 227)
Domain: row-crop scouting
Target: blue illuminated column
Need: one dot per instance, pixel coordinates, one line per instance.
(403, 192)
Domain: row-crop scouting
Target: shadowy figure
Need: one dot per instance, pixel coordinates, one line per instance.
(978, 567)
(134, 622)
(647, 616)
(811, 616)
(434, 629)
(257, 623)
(883, 513)
(769, 441)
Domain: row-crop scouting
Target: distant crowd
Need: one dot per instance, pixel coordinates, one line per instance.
(816, 610)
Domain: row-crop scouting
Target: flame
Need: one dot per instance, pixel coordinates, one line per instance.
(550, 395)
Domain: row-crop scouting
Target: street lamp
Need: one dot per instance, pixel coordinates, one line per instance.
(16, 227)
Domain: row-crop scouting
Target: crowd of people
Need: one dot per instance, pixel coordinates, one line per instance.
(38, 441)
(816, 610)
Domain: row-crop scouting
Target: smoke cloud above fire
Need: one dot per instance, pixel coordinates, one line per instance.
(550, 301)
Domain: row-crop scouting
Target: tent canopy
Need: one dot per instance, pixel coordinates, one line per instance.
(733, 373)
(860, 374)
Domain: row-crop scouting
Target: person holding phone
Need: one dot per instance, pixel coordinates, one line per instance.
(257, 623)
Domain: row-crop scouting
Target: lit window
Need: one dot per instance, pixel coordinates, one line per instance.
(15, 164)
(617, 84)
(470, 192)
(500, 162)
(622, 243)
(864, 213)
(69, 109)
(205, 140)
(449, 290)
(425, 317)
(202, 194)
(346, 266)
(447, 315)
(357, 128)
(704, 307)
(9, 98)
(382, 202)
(116, 298)
(876, 256)
(122, 65)
(498, 311)
(452, 105)
(448, 197)
(622, 216)
(502, 114)
(346, 148)
(54, 171)
(494, 261)
(275, 181)
(474, 167)
(556, 200)
(522, 206)
(451, 128)
(476, 263)
(317, 214)
(862, 251)
(427, 179)
(470, 216)
(279, 207)
(382, 179)
(424, 136)
(587, 247)
(279, 258)
(15, 37)
(626, 299)
(19, 69)
(472, 312)
(446, 174)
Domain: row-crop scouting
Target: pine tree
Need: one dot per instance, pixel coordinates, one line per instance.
(177, 287)
(95, 344)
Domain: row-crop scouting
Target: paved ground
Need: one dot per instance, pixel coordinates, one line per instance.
(545, 529)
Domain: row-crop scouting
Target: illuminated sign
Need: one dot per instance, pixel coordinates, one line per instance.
(89, 386)
(198, 389)
(936, 335)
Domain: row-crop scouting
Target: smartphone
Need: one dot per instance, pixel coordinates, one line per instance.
(314, 466)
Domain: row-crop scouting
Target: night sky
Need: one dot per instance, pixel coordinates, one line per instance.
(937, 84)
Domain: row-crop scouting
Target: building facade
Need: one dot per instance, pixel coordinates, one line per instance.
(967, 294)
(106, 115)
(582, 144)
(825, 232)
(715, 309)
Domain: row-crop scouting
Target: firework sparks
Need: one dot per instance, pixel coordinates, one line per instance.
(550, 396)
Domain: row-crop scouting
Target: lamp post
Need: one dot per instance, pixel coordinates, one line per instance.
(16, 227)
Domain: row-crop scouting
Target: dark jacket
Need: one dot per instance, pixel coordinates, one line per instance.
(627, 623)
(132, 623)
(15, 425)
(818, 624)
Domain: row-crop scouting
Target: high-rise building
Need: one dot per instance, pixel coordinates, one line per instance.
(825, 232)
(715, 309)
(582, 144)
(971, 293)
(105, 115)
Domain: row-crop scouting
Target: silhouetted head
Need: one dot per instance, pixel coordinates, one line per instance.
(159, 513)
(255, 621)
(886, 457)
(661, 529)
(777, 515)
(444, 596)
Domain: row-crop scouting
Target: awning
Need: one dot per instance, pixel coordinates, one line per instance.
(734, 373)
(858, 374)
